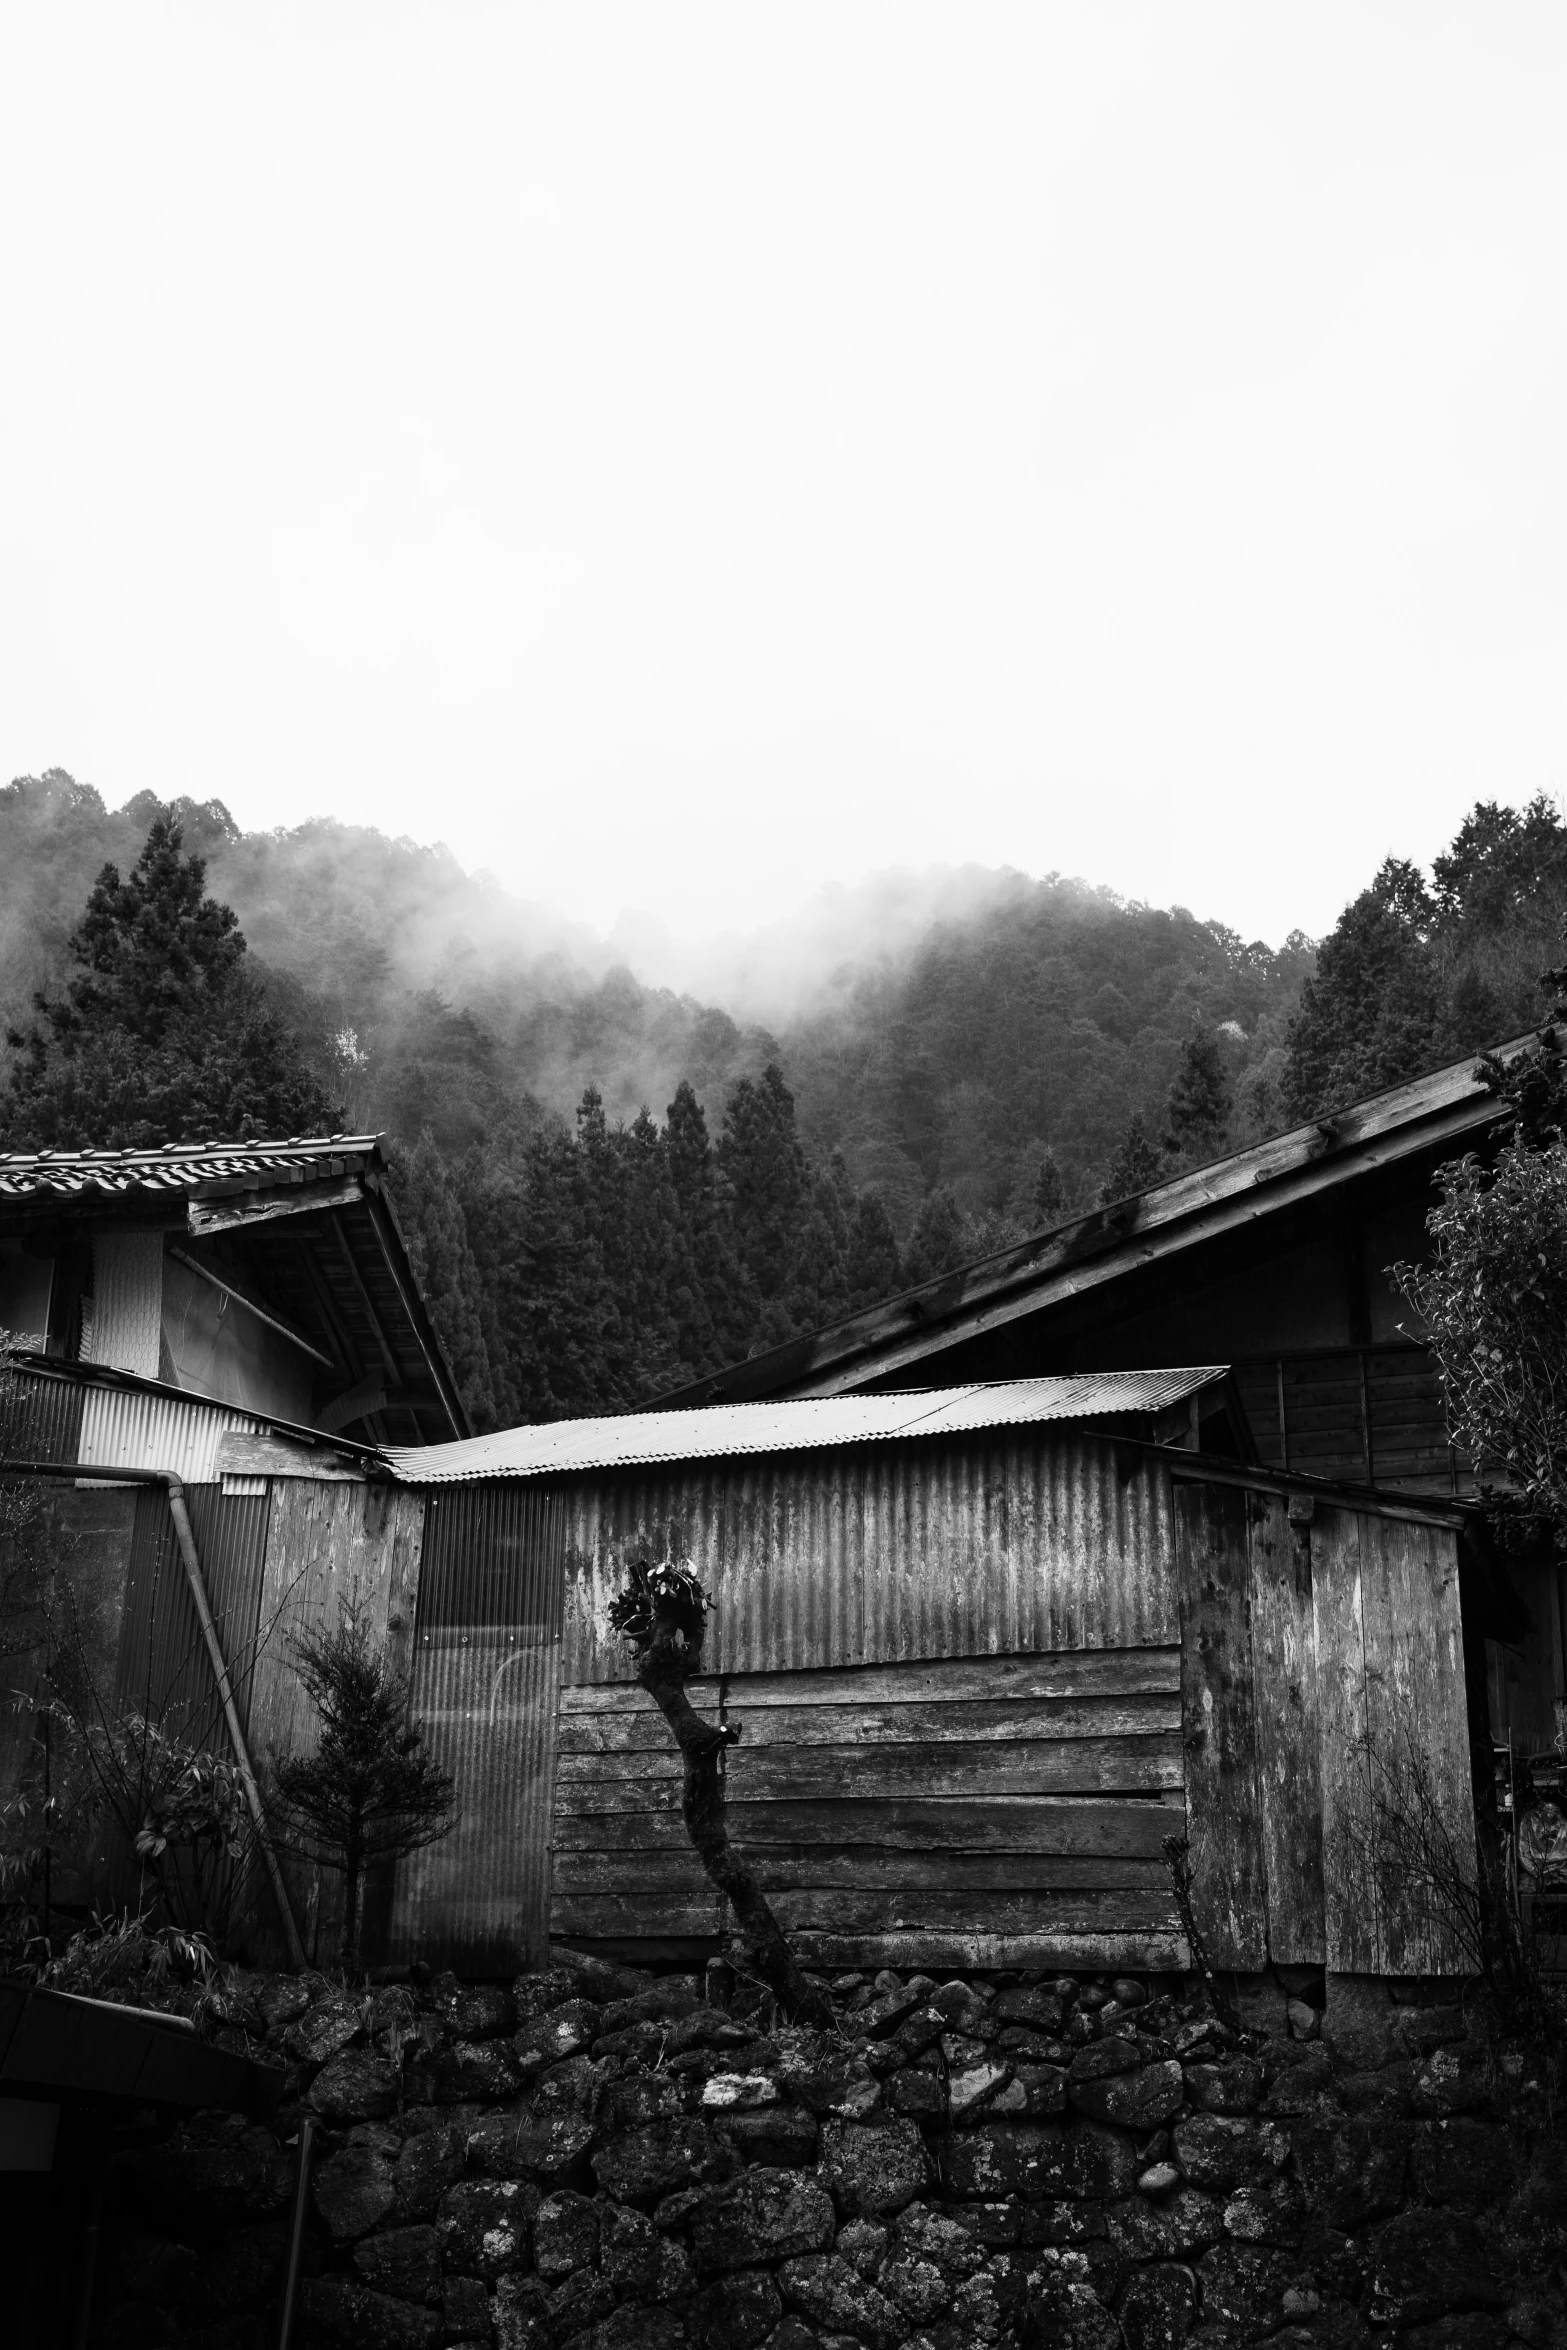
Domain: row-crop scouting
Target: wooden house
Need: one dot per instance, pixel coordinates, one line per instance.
(1274, 1260)
(270, 1277)
(989, 1646)
(164, 1304)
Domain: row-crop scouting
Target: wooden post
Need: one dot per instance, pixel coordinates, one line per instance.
(186, 1537)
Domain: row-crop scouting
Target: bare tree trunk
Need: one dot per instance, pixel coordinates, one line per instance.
(662, 1672)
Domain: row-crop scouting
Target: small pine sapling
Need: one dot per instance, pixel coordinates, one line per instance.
(370, 1792)
(663, 1616)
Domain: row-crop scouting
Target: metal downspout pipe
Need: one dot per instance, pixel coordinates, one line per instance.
(185, 1536)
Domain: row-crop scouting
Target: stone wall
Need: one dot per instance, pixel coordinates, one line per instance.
(612, 2161)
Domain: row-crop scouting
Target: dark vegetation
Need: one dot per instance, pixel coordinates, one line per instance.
(370, 1793)
(610, 1189)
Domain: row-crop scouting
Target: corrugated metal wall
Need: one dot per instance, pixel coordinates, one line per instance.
(486, 1678)
(123, 1429)
(163, 1670)
(40, 1417)
(984, 1546)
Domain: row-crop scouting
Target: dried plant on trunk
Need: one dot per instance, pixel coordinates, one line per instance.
(663, 1616)
(369, 1793)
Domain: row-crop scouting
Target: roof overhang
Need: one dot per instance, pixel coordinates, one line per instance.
(1443, 1113)
(1169, 1406)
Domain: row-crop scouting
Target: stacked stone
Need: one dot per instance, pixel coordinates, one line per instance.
(595, 2159)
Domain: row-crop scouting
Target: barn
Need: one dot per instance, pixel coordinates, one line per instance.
(989, 1647)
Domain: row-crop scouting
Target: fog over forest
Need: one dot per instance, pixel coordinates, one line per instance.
(613, 1185)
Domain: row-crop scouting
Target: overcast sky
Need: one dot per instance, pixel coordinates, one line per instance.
(679, 455)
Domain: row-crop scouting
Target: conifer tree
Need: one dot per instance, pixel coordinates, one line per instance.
(1049, 1202)
(1136, 1167)
(162, 1034)
(1197, 1118)
(430, 1213)
(1372, 1014)
(763, 1167)
(370, 1793)
(874, 1267)
(939, 1240)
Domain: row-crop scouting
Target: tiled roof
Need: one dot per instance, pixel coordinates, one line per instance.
(723, 1430)
(183, 1166)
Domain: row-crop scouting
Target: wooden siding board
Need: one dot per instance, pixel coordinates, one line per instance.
(1351, 1923)
(861, 1867)
(1115, 1672)
(328, 1546)
(1418, 1732)
(1052, 1825)
(1229, 1880)
(974, 1719)
(1288, 1735)
(888, 1819)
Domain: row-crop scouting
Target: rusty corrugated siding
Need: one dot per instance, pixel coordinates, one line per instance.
(40, 1416)
(486, 1678)
(972, 1547)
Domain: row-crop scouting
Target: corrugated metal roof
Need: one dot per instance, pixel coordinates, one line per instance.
(178, 1166)
(723, 1430)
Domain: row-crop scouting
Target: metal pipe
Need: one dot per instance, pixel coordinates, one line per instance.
(296, 2231)
(190, 1559)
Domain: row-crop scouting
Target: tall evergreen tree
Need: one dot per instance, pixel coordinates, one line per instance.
(715, 1301)
(1372, 1015)
(162, 1035)
(1049, 1201)
(765, 1180)
(1202, 1100)
(874, 1268)
(1136, 1167)
(939, 1240)
(430, 1212)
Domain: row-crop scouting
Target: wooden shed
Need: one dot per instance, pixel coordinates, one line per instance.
(990, 1647)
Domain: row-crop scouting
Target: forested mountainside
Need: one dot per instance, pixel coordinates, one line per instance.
(610, 1187)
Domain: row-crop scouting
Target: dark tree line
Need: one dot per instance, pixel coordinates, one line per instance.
(1060, 1049)
(603, 1263)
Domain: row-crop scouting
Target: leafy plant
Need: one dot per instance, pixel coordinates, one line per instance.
(1493, 1302)
(128, 1957)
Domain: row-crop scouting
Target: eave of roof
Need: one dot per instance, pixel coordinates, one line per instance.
(725, 1431)
(1437, 1110)
(192, 1170)
(57, 2043)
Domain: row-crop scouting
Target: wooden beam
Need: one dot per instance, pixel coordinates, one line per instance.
(262, 1313)
(203, 1218)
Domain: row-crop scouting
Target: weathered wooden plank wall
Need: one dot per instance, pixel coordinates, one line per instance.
(1289, 1763)
(989, 1811)
(329, 1544)
(1223, 1797)
(1324, 1698)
